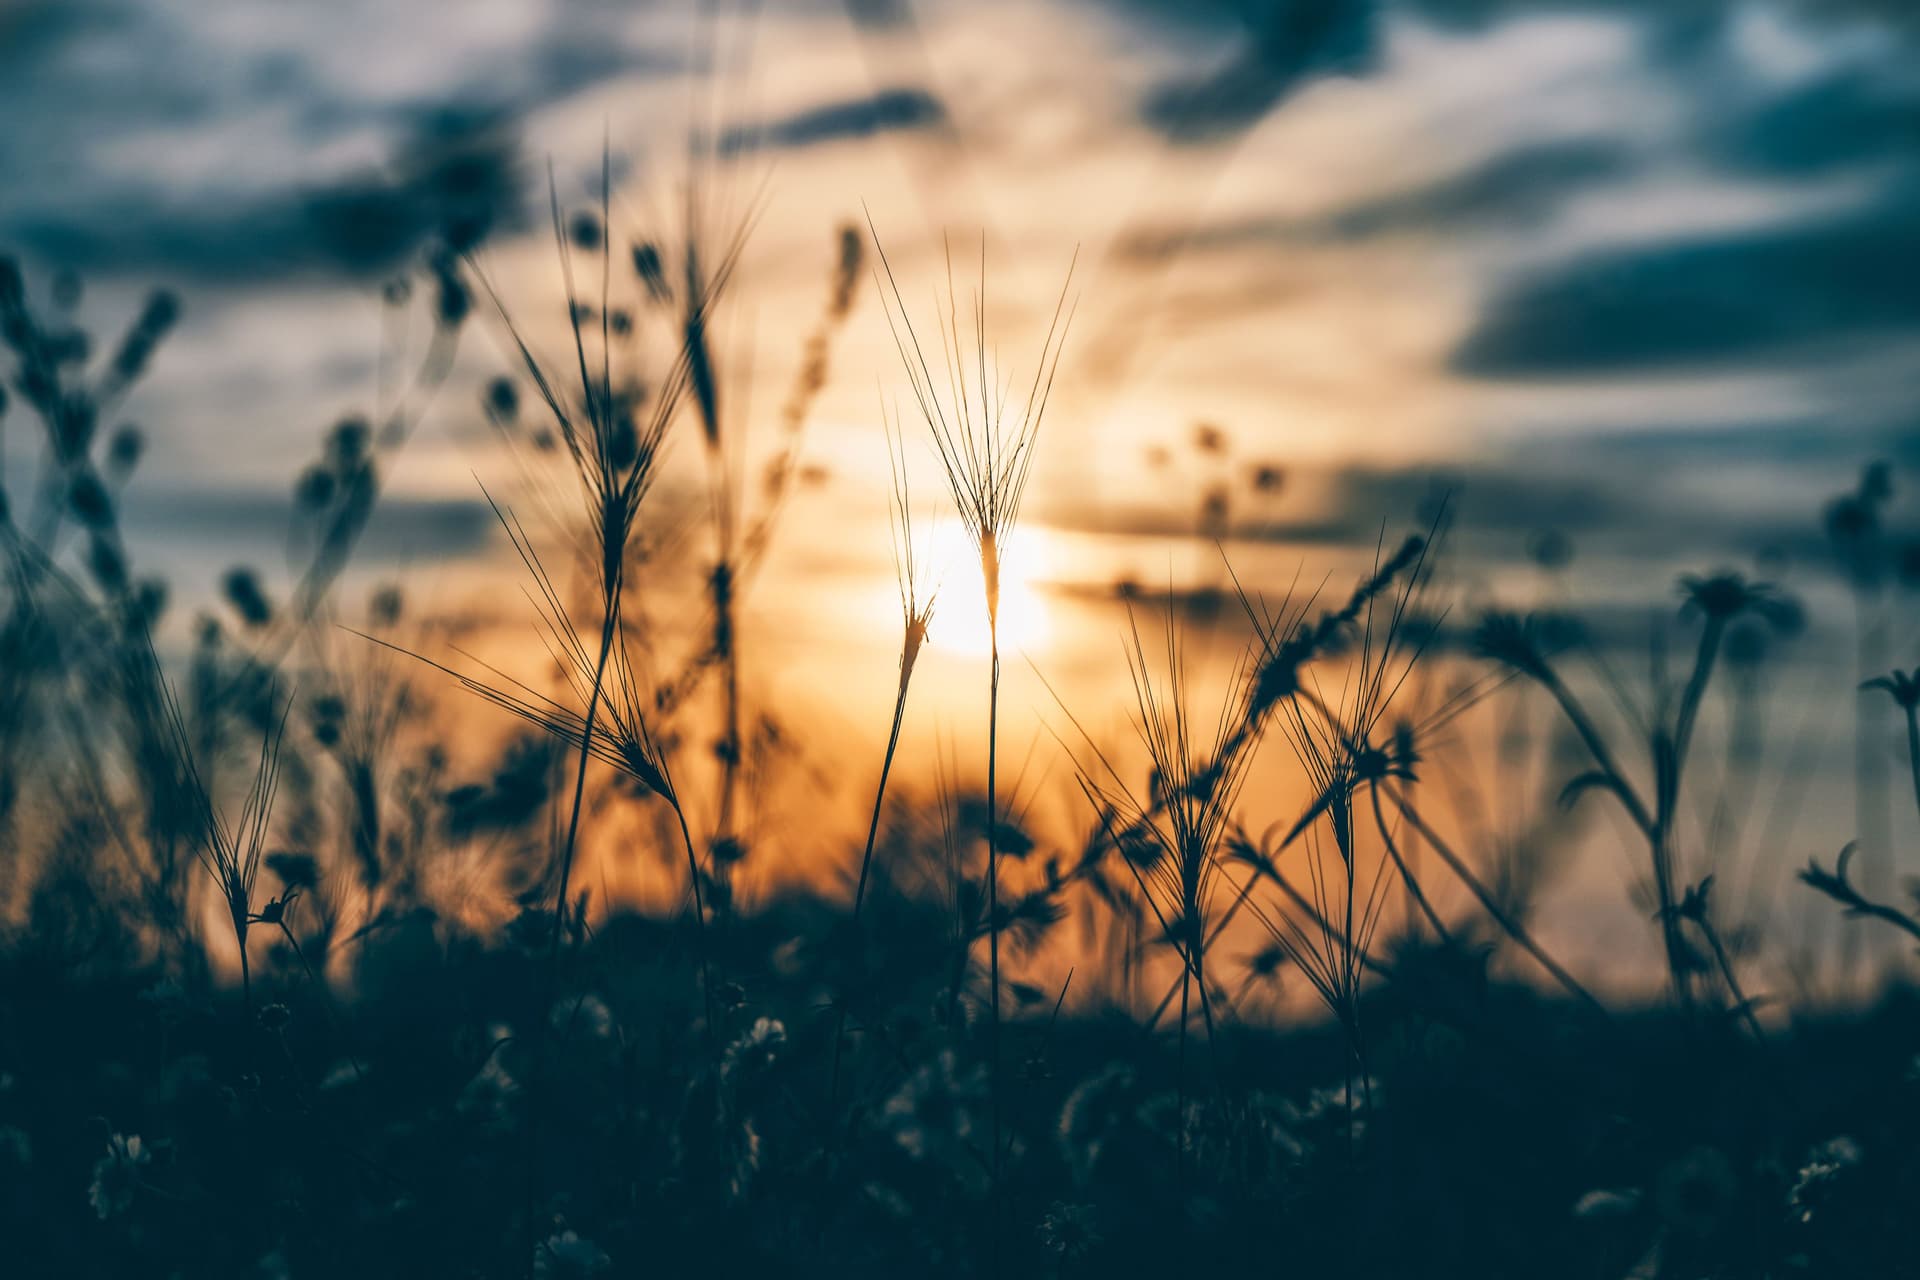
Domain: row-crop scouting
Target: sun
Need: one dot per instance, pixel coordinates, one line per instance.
(960, 613)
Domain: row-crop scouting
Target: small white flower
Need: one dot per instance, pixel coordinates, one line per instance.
(933, 1109)
(493, 1086)
(116, 1175)
(756, 1050)
(569, 1254)
(1814, 1182)
(586, 1016)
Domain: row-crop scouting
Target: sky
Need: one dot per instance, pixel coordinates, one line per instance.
(1634, 279)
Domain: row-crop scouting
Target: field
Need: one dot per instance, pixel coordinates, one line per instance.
(528, 931)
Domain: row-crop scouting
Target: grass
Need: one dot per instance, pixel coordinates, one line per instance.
(427, 991)
(987, 451)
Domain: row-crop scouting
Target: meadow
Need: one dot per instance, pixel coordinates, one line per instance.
(291, 989)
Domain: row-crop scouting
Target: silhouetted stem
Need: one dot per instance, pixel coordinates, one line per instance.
(1721, 958)
(1913, 750)
(993, 910)
(608, 627)
(1406, 873)
(700, 923)
(879, 797)
(1513, 928)
(246, 972)
(1596, 747)
(866, 863)
(326, 998)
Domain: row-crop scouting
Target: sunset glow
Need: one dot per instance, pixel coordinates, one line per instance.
(960, 615)
(507, 769)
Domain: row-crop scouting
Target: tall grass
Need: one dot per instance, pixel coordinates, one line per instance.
(916, 611)
(986, 448)
(1170, 836)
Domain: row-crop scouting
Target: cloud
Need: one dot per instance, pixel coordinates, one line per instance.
(1512, 190)
(1282, 44)
(1713, 301)
(888, 111)
(1839, 120)
(457, 178)
(165, 140)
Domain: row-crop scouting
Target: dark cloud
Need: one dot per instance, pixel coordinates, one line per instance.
(1515, 190)
(1520, 188)
(82, 78)
(1712, 301)
(1837, 121)
(1282, 44)
(887, 111)
(1826, 441)
(1598, 499)
(457, 179)
(400, 529)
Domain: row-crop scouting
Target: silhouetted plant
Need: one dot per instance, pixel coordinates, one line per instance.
(987, 453)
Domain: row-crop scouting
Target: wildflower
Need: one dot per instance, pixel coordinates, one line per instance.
(1902, 686)
(755, 1052)
(1069, 1231)
(1722, 597)
(1814, 1183)
(569, 1254)
(1341, 1098)
(746, 1159)
(934, 1106)
(586, 1015)
(116, 1175)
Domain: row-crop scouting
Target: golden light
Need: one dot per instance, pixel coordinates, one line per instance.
(960, 614)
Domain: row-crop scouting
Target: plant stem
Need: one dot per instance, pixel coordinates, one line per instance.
(246, 972)
(993, 913)
(1180, 1079)
(866, 863)
(1406, 872)
(608, 626)
(1513, 928)
(700, 924)
(1712, 936)
(1913, 750)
